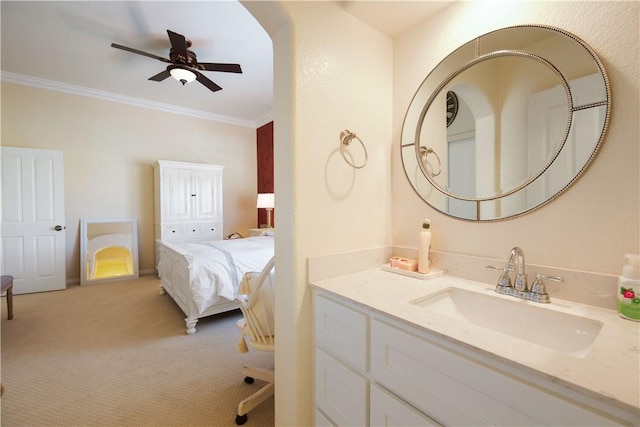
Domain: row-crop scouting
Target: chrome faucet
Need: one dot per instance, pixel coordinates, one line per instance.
(519, 288)
(520, 282)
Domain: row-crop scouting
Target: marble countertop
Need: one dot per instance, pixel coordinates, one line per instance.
(609, 371)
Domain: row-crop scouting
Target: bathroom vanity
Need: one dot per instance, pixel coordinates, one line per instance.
(400, 351)
(394, 350)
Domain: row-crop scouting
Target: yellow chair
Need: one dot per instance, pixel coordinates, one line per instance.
(112, 261)
(109, 255)
(256, 300)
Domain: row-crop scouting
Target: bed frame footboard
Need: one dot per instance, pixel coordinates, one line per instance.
(175, 269)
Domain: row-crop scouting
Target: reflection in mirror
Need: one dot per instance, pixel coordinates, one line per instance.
(533, 103)
(108, 250)
(496, 95)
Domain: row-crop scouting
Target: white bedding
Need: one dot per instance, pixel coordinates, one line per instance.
(218, 266)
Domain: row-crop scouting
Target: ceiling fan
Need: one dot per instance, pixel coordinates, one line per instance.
(183, 64)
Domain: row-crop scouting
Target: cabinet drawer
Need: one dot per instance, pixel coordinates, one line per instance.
(174, 231)
(211, 230)
(192, 230)
(456, 390)
(340, 392)
(389, 411)
(342, 332)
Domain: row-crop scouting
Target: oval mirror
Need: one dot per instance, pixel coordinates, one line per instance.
(505, 123)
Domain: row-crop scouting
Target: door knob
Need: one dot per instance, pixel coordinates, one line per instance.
(59, 228)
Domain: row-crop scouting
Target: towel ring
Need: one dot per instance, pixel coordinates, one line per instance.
(346, 136)
(424, 152)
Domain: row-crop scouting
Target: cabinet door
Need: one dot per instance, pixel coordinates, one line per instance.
(177, 195)
(207, 186)
(389, 411)
(457, 390)
(342, 332)
(341, 393)
(322, 420)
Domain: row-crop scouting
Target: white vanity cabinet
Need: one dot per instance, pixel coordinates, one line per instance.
(374, 370)
(344, 392)
(389, 410)
(341, 387)
(188, 201)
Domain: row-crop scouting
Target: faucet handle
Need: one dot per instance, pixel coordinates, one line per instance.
(505, 280)
(538, 284)
(540, 290)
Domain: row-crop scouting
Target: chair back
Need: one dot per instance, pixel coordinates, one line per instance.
(256, 298)
(109, 247)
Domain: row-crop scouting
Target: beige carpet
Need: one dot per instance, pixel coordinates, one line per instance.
(116, 354)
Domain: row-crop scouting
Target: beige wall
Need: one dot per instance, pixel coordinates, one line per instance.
(108, 152)
(333, 72)
(596, 221)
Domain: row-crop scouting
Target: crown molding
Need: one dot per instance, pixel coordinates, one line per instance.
(122, 99)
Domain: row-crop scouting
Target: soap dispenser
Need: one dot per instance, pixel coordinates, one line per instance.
(629, 289)
(424, 245)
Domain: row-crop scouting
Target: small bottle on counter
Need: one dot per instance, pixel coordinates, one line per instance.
(424, 245)
(629, 289)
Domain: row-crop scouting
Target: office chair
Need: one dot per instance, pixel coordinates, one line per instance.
(256, 300)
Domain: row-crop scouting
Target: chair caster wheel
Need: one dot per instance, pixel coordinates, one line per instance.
(248, 380)
(241, 419)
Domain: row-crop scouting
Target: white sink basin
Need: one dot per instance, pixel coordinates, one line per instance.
(520, 319)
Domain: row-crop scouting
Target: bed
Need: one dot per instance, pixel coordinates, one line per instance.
(203, 277)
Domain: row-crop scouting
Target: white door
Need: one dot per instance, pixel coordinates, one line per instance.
(462, 176)
(548, 120)
(33, 230)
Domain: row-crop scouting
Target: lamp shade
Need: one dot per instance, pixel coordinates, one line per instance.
(265, 200)
(182, 74)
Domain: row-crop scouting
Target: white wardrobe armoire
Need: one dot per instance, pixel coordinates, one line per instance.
(188, 201)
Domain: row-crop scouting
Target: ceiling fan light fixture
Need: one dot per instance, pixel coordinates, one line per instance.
(183, 75)
(184, 66)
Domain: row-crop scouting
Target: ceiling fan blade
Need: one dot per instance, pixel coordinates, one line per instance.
(208, 83)
(178, 44)
(160, 76)
(139, 52)
(225, 68)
